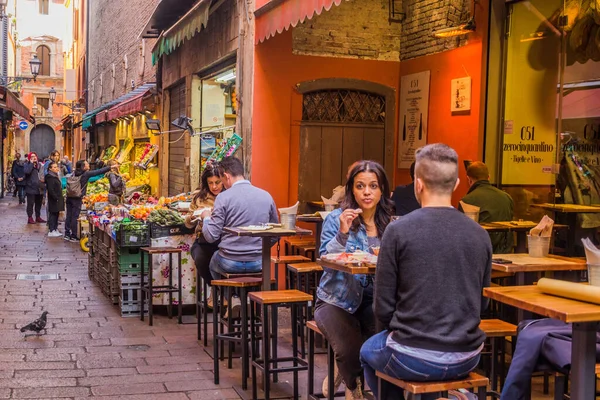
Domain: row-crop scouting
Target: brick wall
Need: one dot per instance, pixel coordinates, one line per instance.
(115, 26)
(360, 29)
(354, 29)
(424, 16)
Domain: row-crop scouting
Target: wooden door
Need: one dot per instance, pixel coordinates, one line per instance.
(326, 152)
(339, 127)
(41, 141)
(177, 168)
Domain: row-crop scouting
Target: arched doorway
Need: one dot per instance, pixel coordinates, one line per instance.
(41, 140)
(343, 120)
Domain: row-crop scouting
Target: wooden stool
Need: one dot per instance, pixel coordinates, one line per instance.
(291, 242)
(496, 330)
(312, 329)
(202, 303)
(244, 285)
(305, 277)
(473, 381)
(149, 290)
(285, 260)
(294, 299)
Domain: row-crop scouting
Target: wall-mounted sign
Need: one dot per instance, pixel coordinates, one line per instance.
(414, 107)
(460, 96)
(23, 125)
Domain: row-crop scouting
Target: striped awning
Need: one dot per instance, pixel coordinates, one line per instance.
(277, 16)
(184, 29)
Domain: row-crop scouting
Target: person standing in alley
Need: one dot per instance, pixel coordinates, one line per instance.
(56, 202)
(18, 173)
(76, 189)
(32, 188)
(116, 188)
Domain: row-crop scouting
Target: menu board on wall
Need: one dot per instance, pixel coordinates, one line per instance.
(414, 107)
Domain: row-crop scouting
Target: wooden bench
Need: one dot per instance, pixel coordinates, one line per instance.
(473, 381)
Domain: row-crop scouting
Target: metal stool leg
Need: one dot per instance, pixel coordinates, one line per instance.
(143, 292)
(179, 291)
(294, 309)
(254, 351)
(150, 291)
(244, 323)
(170, 308)
(215, 334)
(265, 351)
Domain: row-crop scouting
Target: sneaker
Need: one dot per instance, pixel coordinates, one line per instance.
(66, 237)
(337, 381)
(73, 239)
(357, 393)
(40, 220)
(54, 233)
(30, 220)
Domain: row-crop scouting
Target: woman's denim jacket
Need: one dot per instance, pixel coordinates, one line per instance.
(339, 288)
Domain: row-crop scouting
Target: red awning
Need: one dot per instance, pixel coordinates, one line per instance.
(10, 101)
(128, 107)
(278, 15)
(101, 117)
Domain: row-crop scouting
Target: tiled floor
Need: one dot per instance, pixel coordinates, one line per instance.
(90, 350)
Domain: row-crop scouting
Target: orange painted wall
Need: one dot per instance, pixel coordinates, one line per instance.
(458, 131)
(461, 132)
(277, 108)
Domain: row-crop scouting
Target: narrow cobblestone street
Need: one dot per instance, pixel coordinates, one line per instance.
(89, 350)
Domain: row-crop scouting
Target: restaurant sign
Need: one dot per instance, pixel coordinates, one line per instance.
(414, 107)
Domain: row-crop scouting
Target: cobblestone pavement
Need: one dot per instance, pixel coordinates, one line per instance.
(89, 349)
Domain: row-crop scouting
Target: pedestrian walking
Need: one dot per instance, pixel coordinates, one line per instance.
(67, 164)
(33, 189)
(56, 202)
(76, 189)
(18, 173)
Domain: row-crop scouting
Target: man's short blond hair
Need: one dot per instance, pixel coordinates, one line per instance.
(437, 166)
(478, 171)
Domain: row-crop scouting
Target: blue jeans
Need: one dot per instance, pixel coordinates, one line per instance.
(220, 265)
(375, 355)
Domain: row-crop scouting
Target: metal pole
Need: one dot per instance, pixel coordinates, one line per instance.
(4, 47)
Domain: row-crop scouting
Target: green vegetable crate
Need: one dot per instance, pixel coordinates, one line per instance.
(128, 259)
(133, 235)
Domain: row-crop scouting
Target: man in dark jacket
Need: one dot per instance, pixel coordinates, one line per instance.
(404, 196)
(18, 173)
(82, 171)
(494, 204)
(32, 188)
(56, 202)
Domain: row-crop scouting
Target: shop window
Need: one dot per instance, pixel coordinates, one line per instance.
(545, 139)
(43, 54)
(44, 6)
(43, 105)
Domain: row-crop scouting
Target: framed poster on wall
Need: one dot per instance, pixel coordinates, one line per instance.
(414, 107)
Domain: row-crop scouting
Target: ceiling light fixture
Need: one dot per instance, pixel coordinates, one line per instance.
(226, 76)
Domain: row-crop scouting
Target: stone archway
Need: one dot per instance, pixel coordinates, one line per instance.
(42, 140)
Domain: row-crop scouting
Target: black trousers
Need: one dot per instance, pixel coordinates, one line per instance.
(202, 252)
(34, 200)
(73, 211)
(346, 333)
(53, 221)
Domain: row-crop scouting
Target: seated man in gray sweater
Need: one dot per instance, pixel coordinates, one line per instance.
(240, 205)
(432, 267)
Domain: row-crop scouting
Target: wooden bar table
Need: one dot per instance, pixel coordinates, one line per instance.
(521, 228)
(318, 221)
(571, 211)
(362, 268)
(522, 264)
(585, 318)
(266, 236)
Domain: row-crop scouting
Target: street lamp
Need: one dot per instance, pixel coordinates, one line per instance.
(52, 94)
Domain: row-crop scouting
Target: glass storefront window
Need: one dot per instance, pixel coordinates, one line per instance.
(550, 118)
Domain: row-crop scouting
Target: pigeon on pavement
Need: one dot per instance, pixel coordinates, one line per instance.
(38, 325)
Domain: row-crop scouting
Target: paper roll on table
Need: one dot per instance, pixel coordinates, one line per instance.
(570, 290)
